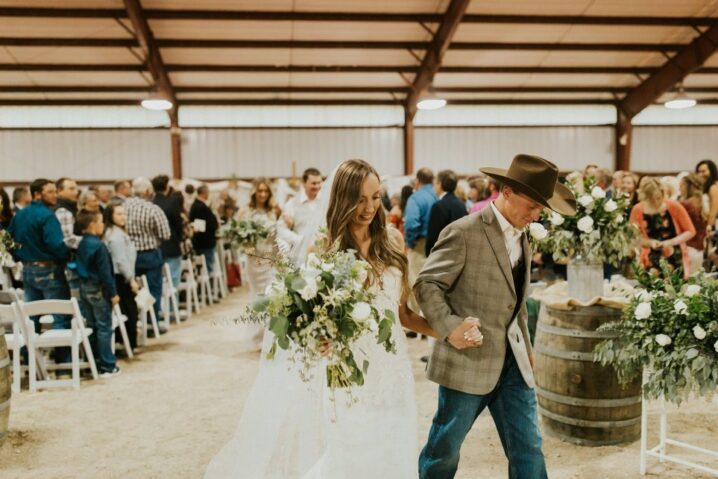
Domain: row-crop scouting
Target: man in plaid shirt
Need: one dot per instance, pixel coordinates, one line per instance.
(147, 227)
(65, 211)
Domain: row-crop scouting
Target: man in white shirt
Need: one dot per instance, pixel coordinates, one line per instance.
(299, 212)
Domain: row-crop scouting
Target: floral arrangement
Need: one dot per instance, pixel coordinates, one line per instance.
(670, 328)
(319, 310)
(247, 233)
(7, 245)
(598, 233)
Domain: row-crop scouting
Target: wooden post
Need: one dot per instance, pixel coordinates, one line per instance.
(624, 132)
(176, 139)
(408, 143)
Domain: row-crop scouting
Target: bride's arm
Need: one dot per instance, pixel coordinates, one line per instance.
(410, 320)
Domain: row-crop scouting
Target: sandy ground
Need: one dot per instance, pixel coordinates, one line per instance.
(178, 402)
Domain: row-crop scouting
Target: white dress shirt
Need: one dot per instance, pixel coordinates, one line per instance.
(302, 210)
(512, 237)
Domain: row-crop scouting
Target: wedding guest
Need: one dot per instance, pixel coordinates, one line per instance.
(171, 252)
(189, 196)
(590, 170)
(708, 170)
(416, 223)
(6, 211)
(104, 194)
(21, 198)
(147, 227)
(492, 187)
(124, 256)
(299, 212)
(43, 253)
(670, 186)
(691, 187)
(665, 227)
(66, 209)
(477, 192)
(89, 201)
(123, 190)
(448, 209)
(616, 181)
(629, 184)
(98, 293)
(603, 180)
(204, 242)
(395, 210)
(406, 192)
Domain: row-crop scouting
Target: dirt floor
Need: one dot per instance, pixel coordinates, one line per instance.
(179, 401)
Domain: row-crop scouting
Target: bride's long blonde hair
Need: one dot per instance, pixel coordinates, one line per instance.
(344, 201)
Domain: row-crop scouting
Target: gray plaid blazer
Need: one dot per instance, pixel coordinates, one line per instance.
(468, 274)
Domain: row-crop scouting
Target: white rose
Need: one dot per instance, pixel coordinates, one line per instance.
(643, 296)
(619, 219)
(538, 232)
(361, 312)
(715, 346)
(585, 200)
(699, 332)
(598, 193)
(643, 311)
(327, 267)
(585, 224)
(663, 340)
(556, 219)
(363, 274)
(309, 291)
(610, 206)
(680, 307)
(692, 290)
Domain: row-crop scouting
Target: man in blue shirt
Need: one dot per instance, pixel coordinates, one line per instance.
(416, 224)
(43, 253)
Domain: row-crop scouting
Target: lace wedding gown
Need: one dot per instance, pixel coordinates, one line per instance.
(293, 430)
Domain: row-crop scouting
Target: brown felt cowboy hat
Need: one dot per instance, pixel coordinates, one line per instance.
(538, 179)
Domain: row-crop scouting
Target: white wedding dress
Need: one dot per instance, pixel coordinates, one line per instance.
(293, 430)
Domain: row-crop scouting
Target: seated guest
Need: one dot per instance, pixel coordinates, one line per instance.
(665, 227)
(691, 188)
(204, 242)
(124, 256)
(98, 293)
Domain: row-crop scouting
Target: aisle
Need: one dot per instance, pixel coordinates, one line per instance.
(179, 401)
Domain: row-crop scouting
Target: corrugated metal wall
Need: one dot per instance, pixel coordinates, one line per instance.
(84, 154)
(211, 153)
(672, 148)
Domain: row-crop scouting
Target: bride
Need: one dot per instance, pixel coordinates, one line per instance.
(291, 429)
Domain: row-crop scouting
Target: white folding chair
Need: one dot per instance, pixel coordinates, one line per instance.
(118, 322)
(16, 337)
(188, 285)
(147, 314)
(74, 338)
(170, 307)
(218, 277)
(10, 320)
(205, 283)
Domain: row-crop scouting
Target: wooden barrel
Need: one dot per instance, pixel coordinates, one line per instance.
(581, 401)
(5, 390)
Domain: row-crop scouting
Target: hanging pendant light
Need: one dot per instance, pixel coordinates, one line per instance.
(680, 100)
(429, 100)
(157, 101)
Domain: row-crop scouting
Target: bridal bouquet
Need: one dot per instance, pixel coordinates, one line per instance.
(598, 233)
(247, 233)
(319, 310)
(670, 327)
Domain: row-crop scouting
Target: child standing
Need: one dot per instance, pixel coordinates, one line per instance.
(98, 293)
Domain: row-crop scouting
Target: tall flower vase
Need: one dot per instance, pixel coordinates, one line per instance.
(585, 280)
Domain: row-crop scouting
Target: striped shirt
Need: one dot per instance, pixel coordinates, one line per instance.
(147, 225)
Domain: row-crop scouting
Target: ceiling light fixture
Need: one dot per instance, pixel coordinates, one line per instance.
(157, 101)
(680, 100)
(429, 100)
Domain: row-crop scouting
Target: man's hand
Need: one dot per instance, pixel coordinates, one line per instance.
(134, 287)
(289, 221)
(466, 335)
(115, 300)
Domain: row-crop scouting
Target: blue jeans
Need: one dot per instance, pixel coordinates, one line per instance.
(175, 265)
(97, 311)
(209, 256)
(512, 405)
(48, 282)
(149, 263)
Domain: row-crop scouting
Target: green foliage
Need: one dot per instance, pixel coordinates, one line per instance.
(670, 329)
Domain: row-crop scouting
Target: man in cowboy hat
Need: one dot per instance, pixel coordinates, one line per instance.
(479, 271)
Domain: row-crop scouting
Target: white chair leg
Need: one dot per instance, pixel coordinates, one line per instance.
(125, 339)
(75, 365)
(16, 369)
(90, 357)
(153, 318)
(175, 306)
(32, 368)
